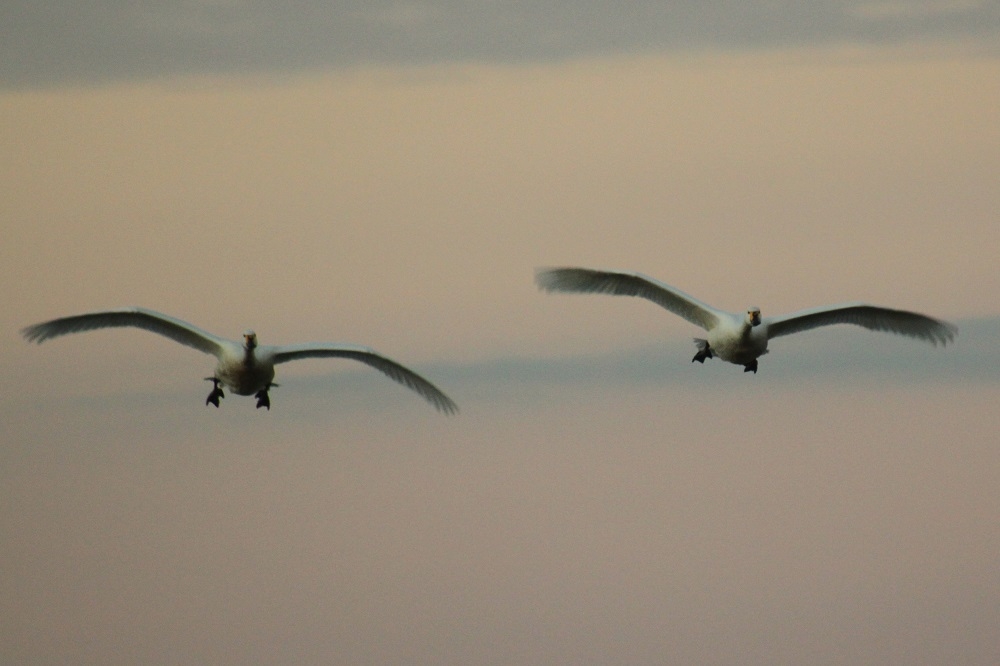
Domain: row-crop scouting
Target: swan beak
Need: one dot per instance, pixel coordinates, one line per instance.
(754, 317)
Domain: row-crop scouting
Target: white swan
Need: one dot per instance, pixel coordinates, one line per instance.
(245, 368)
(738, 338)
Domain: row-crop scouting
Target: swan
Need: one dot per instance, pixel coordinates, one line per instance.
(246, 368)
(738, 338)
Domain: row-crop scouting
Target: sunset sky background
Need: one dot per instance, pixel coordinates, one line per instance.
(391, 174)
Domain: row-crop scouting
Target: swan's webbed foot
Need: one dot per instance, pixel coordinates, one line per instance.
(216, 394)
(704, 351)
(263, 400)
(751, 367)
(702, 355)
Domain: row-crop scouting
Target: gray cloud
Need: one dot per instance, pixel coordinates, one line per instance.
(836, 353)
(47, 43)
(829, 356)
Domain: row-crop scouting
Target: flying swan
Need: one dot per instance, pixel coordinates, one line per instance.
(245, 368)
(738, 338)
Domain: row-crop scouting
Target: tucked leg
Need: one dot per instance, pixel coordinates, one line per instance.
(704, 351)
(216, 394)
(751, 367)
(263, 400)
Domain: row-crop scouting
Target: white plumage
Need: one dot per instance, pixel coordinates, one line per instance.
(742, 338)
(245, 368)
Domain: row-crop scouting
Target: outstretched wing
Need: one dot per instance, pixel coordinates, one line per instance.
(386, 366)
(165, 325)
(586, 280)
(901, 322)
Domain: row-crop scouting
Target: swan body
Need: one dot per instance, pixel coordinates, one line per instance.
(245, 368)
(742, 338)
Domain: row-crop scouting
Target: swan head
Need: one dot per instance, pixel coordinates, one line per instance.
(249, 340)
(753, 316)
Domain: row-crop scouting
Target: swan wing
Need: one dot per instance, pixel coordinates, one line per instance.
(165, 325)
(901, 322)
(586, 280)
(386, 366)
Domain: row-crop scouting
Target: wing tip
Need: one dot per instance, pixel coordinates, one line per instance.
(447, 407)
(936, 331)
(34, 333)
(548, 277)
(438, 399)
(575, 279)
(944, 334)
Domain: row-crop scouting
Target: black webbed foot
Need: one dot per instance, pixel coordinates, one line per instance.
(704, 351)
(751, 367)
(263, 400)
(216, 394)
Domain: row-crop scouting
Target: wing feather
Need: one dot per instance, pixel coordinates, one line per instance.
(901, 322)
(586, 280)
(386, 366)
(165, 325)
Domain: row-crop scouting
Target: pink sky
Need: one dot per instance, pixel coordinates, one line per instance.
(715, 519)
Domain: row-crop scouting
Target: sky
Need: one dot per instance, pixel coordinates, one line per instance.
(392, 174)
